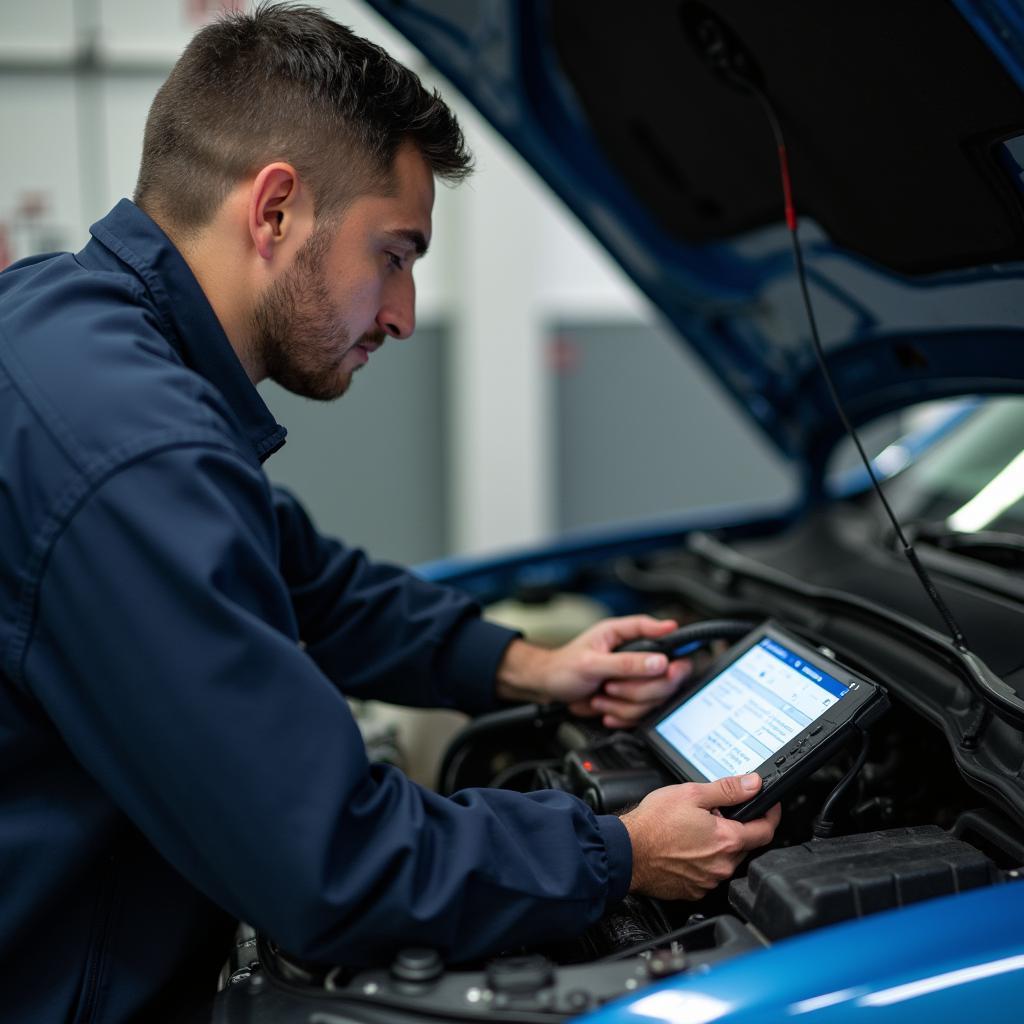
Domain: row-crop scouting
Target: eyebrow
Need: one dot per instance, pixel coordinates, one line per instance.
(414, 238)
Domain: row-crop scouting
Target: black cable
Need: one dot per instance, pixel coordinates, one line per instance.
(506, 775)
(824, 826)
(711, 629)
(791, 222)
(642, 947)
(695, 632)
(493, 722)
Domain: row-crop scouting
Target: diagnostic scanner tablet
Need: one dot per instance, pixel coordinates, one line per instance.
(770, 704)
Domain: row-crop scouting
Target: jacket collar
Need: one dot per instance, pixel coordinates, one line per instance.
(191, 325)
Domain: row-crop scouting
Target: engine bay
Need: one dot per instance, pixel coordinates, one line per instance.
(927, 806)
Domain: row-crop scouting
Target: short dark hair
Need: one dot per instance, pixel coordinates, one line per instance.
(285, 82)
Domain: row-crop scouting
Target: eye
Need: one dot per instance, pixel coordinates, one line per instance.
(394, 260)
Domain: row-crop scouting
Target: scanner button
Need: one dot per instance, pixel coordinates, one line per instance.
(816, 730)
(781, 759)
(767, 777)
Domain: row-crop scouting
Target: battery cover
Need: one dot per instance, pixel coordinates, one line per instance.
(826, 881)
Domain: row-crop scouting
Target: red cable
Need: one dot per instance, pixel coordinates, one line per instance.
(787, 189)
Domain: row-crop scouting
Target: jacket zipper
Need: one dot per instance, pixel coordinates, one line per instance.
(96, 960)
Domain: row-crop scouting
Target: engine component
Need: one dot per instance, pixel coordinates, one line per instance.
(799, 888)
(614, 773)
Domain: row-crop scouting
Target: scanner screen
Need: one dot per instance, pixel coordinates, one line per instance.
(750, 710)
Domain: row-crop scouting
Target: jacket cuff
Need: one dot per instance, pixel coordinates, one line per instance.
(620, 856)
(471, 665)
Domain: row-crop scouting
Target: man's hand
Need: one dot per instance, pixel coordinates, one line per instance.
(682, 846)
(590, 678)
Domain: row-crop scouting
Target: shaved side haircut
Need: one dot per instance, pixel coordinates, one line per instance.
(285, 82)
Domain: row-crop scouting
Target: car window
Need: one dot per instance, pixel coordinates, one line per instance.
(973, 479)
(893, 442)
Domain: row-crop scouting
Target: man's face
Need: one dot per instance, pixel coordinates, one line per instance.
(349, 288)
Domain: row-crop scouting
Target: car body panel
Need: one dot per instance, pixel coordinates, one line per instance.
(493, 576)
(945, 961)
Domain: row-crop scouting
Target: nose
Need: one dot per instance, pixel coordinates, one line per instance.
(397, 315)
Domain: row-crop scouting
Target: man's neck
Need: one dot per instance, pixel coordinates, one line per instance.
(211, 259)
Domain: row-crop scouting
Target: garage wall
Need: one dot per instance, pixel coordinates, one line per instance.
(478, 440)
(633, 406)
(373, 466)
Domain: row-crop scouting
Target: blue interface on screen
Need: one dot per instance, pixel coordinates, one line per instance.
(750, 710)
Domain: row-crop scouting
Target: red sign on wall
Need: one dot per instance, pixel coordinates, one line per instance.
(199, 12)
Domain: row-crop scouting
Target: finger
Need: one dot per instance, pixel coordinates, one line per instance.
(702, 888)
(627, 721)
(680, 669)
(630, 700)
(727, 792)
(760, 831)
(659, 627)
(623, 710)
(614, 722)
(629, 627)
(639, 690)
(628, 665)
(583, 709)
(611, 722)
(628, 709)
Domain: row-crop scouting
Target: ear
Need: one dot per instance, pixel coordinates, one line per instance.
(277, 208)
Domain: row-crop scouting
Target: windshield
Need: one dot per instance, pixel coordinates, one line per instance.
(973, 480)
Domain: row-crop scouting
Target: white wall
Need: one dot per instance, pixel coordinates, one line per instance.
(506, 259)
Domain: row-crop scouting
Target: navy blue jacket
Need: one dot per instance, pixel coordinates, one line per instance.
(176, 639)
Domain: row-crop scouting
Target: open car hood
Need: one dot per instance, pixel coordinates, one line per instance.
(904, 125)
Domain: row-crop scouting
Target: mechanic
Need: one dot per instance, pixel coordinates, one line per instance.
(176, 751)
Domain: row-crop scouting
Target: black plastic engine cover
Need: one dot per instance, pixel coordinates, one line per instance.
(831, 880)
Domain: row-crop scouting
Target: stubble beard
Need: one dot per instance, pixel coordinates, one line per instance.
(299, 348)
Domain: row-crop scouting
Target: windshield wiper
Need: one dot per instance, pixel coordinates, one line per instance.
(1003, 550)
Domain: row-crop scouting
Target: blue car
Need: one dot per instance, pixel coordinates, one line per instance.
(791, 183)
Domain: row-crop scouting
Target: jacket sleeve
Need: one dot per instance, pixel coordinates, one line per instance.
(380, 631)
(165, 651)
